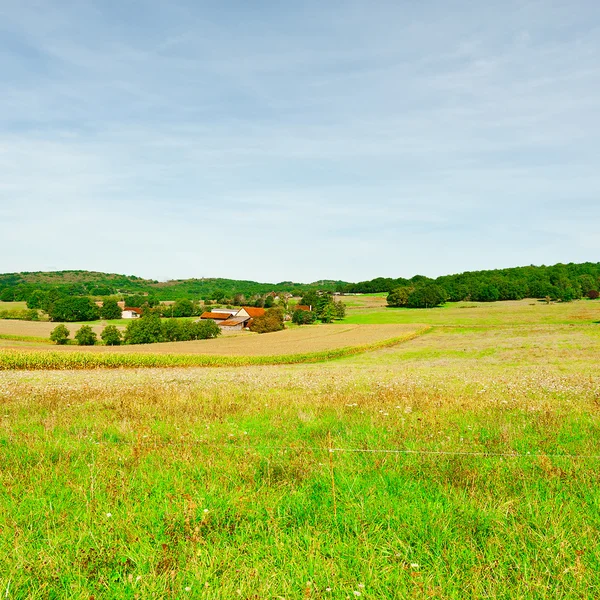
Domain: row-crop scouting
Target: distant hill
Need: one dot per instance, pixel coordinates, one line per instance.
(559, 282)
(19, 286)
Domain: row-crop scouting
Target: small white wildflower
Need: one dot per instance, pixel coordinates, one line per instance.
(356, 593)
(206, 511)
(327, 589)
(414, 565)
(188, 589)
(108, 515)
(361, 585)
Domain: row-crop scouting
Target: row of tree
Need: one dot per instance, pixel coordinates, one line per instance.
(149, 329)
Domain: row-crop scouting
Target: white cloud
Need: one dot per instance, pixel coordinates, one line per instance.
(173, 136)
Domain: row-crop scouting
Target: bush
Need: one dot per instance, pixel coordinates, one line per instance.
(593, 294)
(111, 336)
(272, 320)
(60, 334)
(85, 336)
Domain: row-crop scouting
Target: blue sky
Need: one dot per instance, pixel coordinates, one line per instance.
(298, 140)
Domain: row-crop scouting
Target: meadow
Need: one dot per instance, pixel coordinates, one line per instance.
(460, 463)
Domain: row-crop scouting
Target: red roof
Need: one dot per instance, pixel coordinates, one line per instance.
(134, 309)
(302, 307)
(234, 321)
(215, 315)
(253, 311)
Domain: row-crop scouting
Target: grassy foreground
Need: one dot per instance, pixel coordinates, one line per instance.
(465, 464)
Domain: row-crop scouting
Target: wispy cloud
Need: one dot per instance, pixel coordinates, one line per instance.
(324, 140)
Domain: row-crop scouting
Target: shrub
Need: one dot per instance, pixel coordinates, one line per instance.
(85, 336)
(60, 334)
(111, 336)
(593, 294)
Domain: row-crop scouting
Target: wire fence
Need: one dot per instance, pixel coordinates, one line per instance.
(335, 449)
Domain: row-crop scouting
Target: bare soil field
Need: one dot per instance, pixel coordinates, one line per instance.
(313, 338)
(38, 328)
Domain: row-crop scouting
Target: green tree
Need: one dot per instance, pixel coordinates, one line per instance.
(85, 336)
(146, 330)
(426, 296)
(111, 336)
(110, 309)
(7, 295)
(271, 321)
(78, 308)
(327, 313)
(183, 308)
(399, 296)
(339, 309)
(60, 334)
(37, 299)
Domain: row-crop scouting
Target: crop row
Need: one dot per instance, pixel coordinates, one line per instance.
(52, 360)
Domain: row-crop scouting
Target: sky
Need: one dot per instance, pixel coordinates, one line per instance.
(305, 140)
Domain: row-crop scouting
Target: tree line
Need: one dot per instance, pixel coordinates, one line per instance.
(563, 282)
(150, 329)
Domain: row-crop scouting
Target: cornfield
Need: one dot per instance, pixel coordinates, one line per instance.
(52, 360)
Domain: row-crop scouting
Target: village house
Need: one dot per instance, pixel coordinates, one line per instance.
(234, 320)
(250, 311)
(131, 312)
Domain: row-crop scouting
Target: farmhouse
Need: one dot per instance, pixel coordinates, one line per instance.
(130, 312)
(217, 317)
(250, 311)
(233, 320)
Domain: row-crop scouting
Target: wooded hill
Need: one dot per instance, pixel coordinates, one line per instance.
(559, 282)
(20, 286)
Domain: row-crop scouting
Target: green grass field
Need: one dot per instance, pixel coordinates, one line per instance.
(465, 464)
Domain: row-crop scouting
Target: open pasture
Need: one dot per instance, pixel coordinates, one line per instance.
(465, 463)
(484, 314)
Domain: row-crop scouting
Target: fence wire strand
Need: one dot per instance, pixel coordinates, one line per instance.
(332, 450)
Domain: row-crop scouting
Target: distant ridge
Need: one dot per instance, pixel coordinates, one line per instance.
(559, 281)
